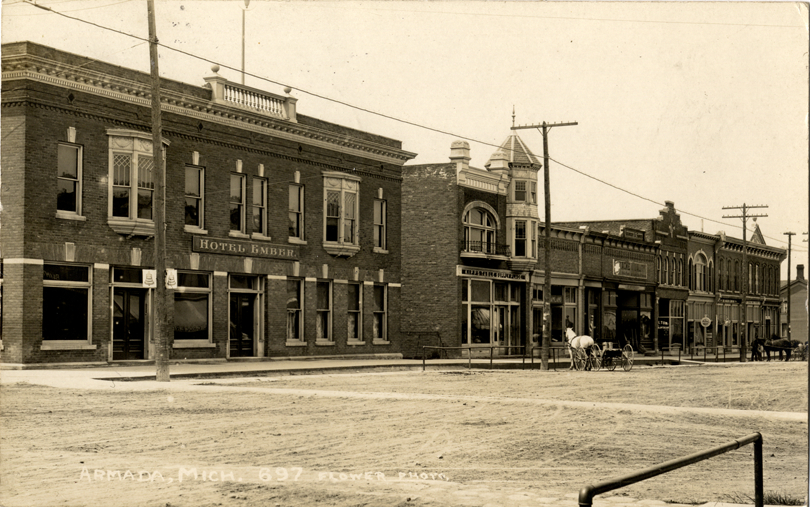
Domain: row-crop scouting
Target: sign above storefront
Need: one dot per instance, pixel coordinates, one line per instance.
(629, 269)
(635, 234)
(491, 273)
(244, 248)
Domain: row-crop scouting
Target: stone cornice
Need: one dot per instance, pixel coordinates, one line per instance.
(37, 69)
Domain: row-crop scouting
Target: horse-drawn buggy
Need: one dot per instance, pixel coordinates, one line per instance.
(586, 354)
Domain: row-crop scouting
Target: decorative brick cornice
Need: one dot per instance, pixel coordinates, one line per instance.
(170, 133)
(42, 70)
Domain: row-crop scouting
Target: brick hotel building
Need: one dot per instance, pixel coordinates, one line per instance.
(284, 230)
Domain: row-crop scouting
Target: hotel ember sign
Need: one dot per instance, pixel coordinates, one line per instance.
(244, 248)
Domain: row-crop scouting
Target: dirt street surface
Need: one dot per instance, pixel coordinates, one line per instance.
(499, 438)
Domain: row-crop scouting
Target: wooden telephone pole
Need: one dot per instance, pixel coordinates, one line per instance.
(161, 338)
(544, 128)
(789, 235)
(745, 216)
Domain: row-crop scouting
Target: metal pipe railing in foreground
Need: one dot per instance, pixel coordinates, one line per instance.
(553, 357)
(587, 493)
(470, 348)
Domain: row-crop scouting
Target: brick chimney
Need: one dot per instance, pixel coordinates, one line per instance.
(800, 272)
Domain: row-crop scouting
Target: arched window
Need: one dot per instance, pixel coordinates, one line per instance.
(658, 269)
(720, 272)
(680, 273)
(701, 273)
(665, 274)
(691, 275)
(672, 272)
(479, 231)
(737, 276)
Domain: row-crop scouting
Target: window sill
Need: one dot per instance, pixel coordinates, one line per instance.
(295, 343)
(69, 215)
(260, 237)
(380, 342)
(193, 229)
(193, 344)
(238, 234)
(65, 345)
(325, 343)
(296, 241)
(351, 342)
(380, 250)
(339, 250)
(130, 227)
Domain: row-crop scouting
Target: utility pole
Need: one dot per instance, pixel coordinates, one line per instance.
(544, 128)
(161, 339)
(247, 2)
(745, 216)
(789, 235)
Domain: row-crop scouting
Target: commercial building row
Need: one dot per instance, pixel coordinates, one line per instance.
(289, 236)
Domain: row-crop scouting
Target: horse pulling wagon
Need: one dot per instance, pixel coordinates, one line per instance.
(586, 355)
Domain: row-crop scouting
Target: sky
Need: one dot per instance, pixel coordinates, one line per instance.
(701, 104)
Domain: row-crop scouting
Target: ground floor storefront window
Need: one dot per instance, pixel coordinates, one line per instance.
(491, 314)
(628, 319)
(66, 303)
(192, 308)
(670, 323)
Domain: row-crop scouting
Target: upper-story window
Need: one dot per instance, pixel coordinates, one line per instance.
(341, 211)
(479, 231)
(700, 273)
(69, 181)
(237, 203)
(380, 220)
(296, 212)
(533, 193)
(131, 182)
(520, 238)
(260, 207)
(520, 191)
(195, 197)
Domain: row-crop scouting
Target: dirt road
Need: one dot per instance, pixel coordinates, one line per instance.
(486, 438)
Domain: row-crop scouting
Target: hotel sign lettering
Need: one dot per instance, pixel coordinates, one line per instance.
(244, 248)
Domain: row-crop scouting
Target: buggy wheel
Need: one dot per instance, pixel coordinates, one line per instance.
(596, 357)
(609, 363)
(627, 357)
(578, 358)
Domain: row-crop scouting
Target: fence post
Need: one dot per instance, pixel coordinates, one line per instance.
(490, 356)
(423, 358)
(469, 358)
(759, 496)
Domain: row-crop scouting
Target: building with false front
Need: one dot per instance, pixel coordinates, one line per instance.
(284, 230)
(472, 262)
(796, 293)
(698, 288)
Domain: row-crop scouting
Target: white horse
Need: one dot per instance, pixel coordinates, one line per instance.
(583, 342)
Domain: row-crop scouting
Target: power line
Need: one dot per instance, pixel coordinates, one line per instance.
(369, 111)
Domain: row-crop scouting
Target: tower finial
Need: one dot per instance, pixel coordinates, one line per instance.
(513, 115)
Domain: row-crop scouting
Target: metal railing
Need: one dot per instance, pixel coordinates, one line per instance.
(716, 353)
(587, 493)
(554, 352)
(485, 247)
(470, 348)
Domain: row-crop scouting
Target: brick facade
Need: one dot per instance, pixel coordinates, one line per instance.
(41, 106)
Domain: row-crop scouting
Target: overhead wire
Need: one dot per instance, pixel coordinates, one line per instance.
(372, 112)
